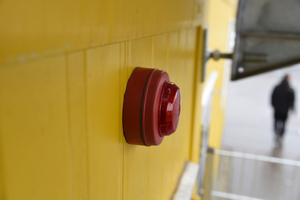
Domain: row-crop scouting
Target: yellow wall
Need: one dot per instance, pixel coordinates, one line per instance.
(31, 29)
(61, 125)
(64, 66)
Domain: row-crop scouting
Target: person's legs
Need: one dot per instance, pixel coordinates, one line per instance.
(280, 119)
(276, 124)
(279, 125)
(276, 129)
(283, 127)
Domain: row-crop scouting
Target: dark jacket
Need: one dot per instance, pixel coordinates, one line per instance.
(283, 98)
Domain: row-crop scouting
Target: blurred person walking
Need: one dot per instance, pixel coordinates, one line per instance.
(282, 101)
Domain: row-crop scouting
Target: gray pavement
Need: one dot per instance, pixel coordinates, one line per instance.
(249, 129)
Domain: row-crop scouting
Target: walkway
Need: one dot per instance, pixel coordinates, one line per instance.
(249, 129)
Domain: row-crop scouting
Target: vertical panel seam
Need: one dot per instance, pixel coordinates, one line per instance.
(166, 181)
(196, 77)
(86, 122)
(193, 100)
(71, 159)
(193, 96)
(163, 179)
(123, 159)
(150, 152)
(168, 52)
(2, 186)
(122, 50)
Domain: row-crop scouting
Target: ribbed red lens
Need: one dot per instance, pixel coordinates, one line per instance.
(169, 109)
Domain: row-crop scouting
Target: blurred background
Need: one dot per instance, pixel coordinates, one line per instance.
(249, 115)
(249, 129)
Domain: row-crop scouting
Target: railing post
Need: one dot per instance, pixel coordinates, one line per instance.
(208, 179)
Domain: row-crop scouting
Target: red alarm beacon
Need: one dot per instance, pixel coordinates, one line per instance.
(151, 107)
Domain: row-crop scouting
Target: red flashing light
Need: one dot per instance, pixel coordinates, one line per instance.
(151, 107)
(170, 109)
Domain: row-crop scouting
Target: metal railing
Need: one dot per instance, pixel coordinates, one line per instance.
(244, 176)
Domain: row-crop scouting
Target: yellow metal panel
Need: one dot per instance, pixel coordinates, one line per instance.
(35, 142)
(160, 174)
(181, 134)
(101, 164)
(169, 156)
(197, 46)
(2, 178)
(136, 158)
(34, 28)
(192, 82)
(30, 29)
(187, 77)
(181, 68)
(105, 141)
(160, 168)
(156, 168)
(77, 124)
